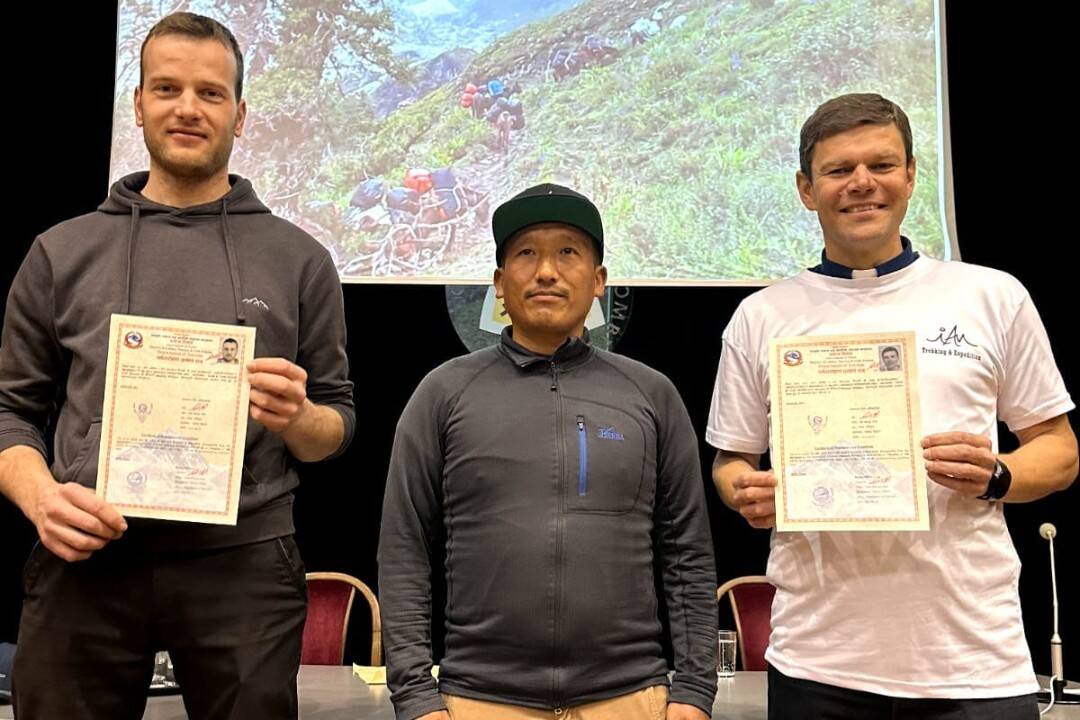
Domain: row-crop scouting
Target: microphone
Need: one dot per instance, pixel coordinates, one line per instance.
(1056, 693)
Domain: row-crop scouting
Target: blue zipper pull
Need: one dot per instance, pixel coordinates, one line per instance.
(583, 457)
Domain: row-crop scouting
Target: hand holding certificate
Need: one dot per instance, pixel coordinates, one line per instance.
(846, 433)
(175, 418)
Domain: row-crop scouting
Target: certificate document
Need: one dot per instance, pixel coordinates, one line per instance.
(174, 418)
(846, 431)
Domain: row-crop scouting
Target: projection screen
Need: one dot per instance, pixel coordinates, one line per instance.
(391, 129)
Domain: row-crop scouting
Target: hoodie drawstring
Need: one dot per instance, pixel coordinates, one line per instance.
(131, 256)
(234, 268)
(230, 259)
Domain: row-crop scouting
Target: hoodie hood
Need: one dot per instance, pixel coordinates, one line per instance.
(126, 193)
(126, 198)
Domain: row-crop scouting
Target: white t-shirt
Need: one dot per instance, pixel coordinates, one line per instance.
(907, 614)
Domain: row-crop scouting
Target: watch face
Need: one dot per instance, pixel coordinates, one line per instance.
(999, 483)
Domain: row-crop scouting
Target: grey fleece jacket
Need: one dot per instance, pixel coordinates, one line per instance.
(556, 480)
(229, 261)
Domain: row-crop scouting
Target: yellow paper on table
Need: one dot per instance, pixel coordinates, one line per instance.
(376, 674)
(372, 675)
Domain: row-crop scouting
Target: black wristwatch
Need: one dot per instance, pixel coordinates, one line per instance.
(999, 482)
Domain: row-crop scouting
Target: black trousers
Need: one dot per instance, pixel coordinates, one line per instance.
(795, 699)
(231, 618)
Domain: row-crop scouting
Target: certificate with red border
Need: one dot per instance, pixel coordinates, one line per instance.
(174, 420)
(846, 433)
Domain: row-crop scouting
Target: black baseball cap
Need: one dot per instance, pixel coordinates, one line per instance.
(543, 204)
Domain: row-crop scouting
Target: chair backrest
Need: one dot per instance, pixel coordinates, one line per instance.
(330, 599)
(751, 599)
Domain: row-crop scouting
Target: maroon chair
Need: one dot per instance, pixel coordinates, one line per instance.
(751, 599)
(330, 599)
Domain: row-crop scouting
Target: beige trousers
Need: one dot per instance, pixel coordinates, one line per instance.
(647, 704)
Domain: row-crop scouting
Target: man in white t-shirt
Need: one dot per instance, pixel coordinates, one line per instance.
(898, 624)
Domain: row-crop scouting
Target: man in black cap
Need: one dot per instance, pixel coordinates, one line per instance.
(558, 475)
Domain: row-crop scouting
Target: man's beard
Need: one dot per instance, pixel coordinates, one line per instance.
(201, 169)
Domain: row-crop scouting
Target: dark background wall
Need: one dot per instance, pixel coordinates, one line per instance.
(1013, 147)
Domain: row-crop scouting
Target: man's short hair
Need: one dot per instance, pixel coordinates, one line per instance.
(198, 27)
(846, 112)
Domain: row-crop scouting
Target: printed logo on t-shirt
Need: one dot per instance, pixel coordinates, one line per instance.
(951, 342)
(953, 337)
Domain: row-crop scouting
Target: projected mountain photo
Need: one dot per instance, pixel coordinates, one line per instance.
(391, 130)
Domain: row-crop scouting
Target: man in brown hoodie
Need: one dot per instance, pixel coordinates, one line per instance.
(186, 240)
